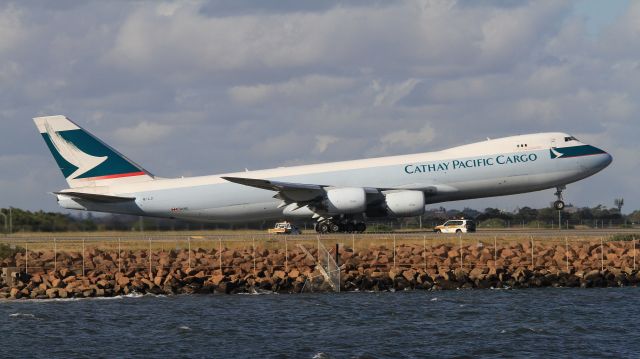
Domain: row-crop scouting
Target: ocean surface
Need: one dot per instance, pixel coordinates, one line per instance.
(544, 323)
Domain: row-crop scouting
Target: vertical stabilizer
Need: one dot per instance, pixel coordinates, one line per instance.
(83, 159)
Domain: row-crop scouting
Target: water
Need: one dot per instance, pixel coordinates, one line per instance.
(548, 322)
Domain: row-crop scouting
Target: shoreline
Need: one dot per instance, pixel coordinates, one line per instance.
(296, 269)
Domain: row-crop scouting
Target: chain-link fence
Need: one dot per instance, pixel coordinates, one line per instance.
(262, 252)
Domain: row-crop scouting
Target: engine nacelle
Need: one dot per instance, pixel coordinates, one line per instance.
(348, 200)
(292, 210)
(405, 203)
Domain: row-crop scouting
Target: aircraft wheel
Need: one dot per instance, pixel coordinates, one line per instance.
(324, 227)
(334, 227)
(559, 205)
(361, 227)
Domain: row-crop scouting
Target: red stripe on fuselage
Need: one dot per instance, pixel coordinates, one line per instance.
(120, 175)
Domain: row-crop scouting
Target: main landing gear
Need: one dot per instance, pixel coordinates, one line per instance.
(340, 226)
(559, 204)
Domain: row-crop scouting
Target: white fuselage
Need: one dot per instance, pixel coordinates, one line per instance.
(496, 167)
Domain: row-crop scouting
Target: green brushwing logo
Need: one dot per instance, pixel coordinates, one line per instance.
(80, 155)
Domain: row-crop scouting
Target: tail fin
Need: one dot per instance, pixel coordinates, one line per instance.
(83, 159)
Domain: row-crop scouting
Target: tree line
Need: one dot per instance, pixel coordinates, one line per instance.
(18, 220)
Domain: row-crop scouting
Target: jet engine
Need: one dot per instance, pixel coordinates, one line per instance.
(293, 210)
(347, 200)
(405, 203)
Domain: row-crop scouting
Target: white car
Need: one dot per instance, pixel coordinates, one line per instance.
(456, 226)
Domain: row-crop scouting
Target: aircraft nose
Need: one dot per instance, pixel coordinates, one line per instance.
(607, 159)
(604, 159)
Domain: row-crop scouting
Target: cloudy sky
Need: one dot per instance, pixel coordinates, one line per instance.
(203, 87)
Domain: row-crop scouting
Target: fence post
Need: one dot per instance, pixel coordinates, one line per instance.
(55, 255)
(353, 243)
(286, 255)
(83, 257)
(150, 275)
(424, 244)
(253, 244)
(189, 247)
(634, 252)
(533, 265)
(460, 250)
(26, 257)
(394, 251)
(119, 257)
(566, 252)
(601, 255)
(220, 253)
(495, 251)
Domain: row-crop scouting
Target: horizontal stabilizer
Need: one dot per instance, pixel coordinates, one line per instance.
(103, 198)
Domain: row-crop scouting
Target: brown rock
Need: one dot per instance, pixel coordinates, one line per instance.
(393, 273)
(216, 279)
(280, 274)
(52, 292)
(36, 279)
(476, 273)
(294, 273)
(441, 251)
(123, 281)
(506, 253)
(148, 283)
(56, 283)
(14, 293)
(409, 274)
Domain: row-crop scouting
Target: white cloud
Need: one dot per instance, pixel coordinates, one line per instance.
(620, 106)
(323, 142)
(391, 94)
(12, 28)
(409, 139)
(258, 85)
(307, 88)
(143, 133)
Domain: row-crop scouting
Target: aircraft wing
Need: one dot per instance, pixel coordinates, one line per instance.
(306, 193)
(288, 192)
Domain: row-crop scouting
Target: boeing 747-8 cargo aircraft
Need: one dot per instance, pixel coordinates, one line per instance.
(339, 195)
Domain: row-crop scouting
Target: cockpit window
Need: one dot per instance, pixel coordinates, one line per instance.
(570, 138)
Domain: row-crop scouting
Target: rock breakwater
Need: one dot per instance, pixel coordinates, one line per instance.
(104, 273)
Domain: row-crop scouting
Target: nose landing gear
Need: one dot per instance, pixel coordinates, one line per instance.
(559, 204)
